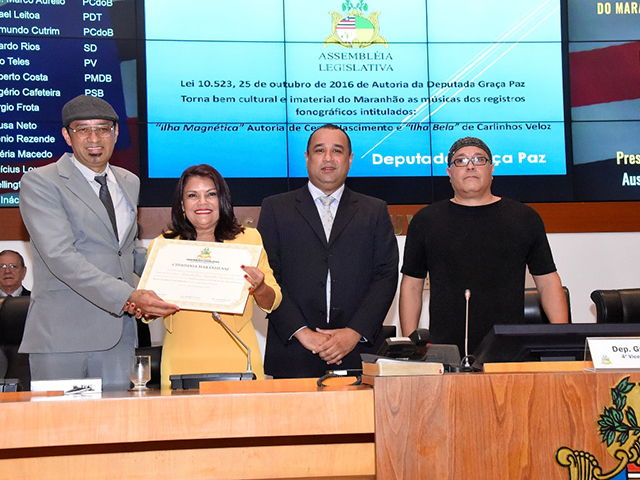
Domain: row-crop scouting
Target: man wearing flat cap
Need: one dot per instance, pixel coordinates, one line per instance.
(81, 216)
(480, 242)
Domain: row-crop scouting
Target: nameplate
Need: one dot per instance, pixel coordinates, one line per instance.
(70, 386)
(614, 352)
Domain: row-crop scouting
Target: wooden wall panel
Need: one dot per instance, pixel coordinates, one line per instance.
(558, 218)
(11, 226)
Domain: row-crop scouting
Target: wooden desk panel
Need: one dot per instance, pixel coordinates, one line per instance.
(489, 426)
(342, 461)
(247, 435)
(456, 426)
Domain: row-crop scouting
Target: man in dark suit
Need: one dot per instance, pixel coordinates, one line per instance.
(81, 216)
(12, 272)
(338, 277)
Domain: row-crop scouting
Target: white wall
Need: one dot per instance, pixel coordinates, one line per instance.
(585, 261)
(590, 261)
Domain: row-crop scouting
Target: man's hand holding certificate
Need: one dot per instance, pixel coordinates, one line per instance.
(200, 275)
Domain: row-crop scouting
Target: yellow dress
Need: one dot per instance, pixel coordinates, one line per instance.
(195, 343)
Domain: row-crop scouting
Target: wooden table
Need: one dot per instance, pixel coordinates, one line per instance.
(454, 426)
(280, 429)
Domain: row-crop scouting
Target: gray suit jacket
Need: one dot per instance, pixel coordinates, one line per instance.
(82, 276)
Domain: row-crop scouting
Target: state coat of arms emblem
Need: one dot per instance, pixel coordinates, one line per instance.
(352, 28)
(620, 430)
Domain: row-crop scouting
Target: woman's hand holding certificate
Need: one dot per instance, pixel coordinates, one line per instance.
(206, 276)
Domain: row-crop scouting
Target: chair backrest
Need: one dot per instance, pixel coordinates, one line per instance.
(13, 315)
(533, 311)
(144, 333)
(617, 306)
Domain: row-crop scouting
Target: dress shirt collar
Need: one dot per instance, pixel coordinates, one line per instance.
(316, 193)
(16, 293)
(90, 174)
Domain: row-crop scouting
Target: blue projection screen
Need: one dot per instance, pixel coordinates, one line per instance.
(551, 86)
(243, 89)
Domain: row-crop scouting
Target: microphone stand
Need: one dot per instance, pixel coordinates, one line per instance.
(226, 327)
(192, 380)
(466, 361)
(467, 296)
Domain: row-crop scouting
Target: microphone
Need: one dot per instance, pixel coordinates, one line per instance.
(219, 319)
(467, 296)
(192, 380)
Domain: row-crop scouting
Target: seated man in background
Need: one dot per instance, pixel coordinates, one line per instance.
(12, 272)
(480, 242)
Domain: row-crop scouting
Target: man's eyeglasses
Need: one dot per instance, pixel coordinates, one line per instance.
(83, 132)
(477, 161)
(10, 266)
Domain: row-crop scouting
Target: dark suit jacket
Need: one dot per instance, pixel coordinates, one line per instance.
(363, 256)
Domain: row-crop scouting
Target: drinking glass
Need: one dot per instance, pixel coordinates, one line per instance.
(140, 371)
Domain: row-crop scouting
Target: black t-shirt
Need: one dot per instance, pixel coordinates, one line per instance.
(484, 249)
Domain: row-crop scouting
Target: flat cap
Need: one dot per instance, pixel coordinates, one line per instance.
(467, 142)
(86, 107)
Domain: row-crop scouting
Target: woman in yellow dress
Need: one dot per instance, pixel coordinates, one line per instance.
(194, 342)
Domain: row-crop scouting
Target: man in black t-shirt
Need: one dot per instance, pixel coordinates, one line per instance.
(479, 242)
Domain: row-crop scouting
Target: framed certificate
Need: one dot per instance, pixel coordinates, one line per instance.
(200, 275)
